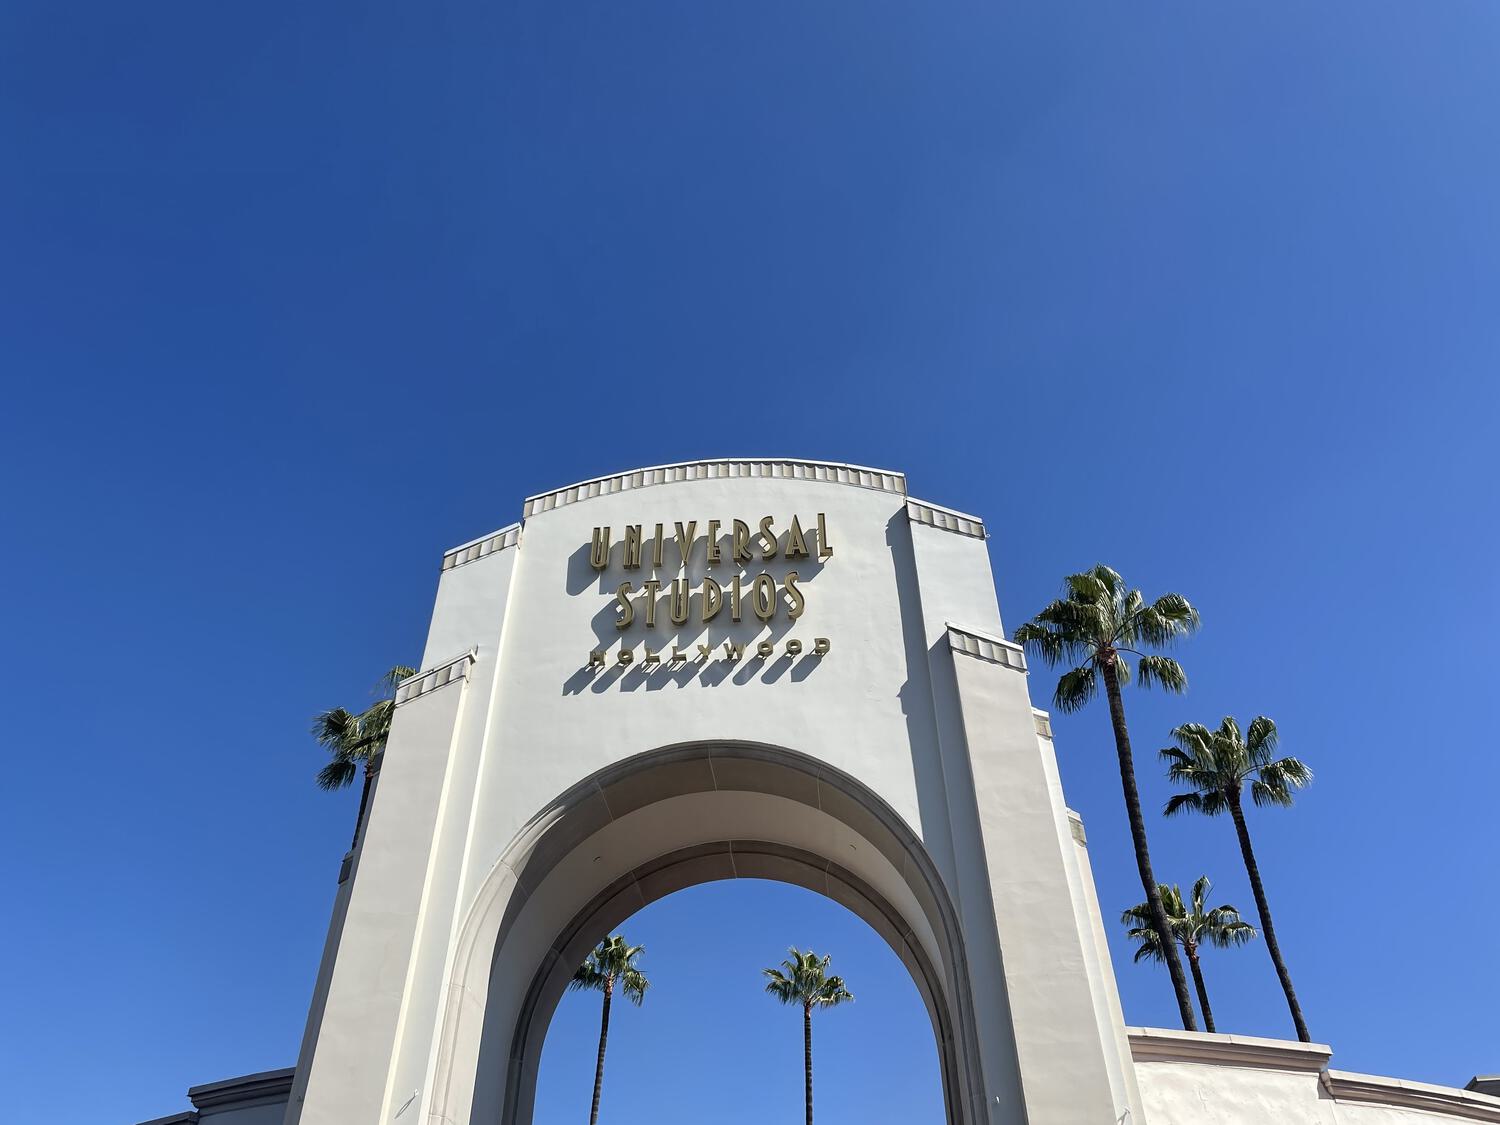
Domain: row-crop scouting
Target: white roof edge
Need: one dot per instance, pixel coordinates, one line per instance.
(983, 636)
(715, 461)
(938, 507)
(481, 538)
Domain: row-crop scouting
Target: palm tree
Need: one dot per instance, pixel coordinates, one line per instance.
(1216, 764)
(1193, 926)
(1094, 628)
(803, 979)
(611, 963)
(355, 740)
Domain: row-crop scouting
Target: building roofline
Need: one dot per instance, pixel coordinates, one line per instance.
(718, 468)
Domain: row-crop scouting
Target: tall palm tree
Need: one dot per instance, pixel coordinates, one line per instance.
(353, 741)
(1095, 628)
(1216, 765)
(1194, 925)
(803, 979)
(611, 963)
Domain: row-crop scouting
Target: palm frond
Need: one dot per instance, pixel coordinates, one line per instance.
(1075, 688)
(1163, 672)
(337, 774)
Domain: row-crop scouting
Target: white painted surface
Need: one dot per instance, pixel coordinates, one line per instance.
(1200, 1079)
(480, 849)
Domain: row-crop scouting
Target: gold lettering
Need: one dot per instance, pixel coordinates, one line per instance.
(734, 598)
(627, 611)
(596, 658)
(704, 652)
(651, 658)
(599, 552)
(625, 657)
(825, 549)
(821, 645)
(677, 601)
(685, 539)
(733, 651)
(799, 602)
(651, 589)
(713, 542)
(794, 648)
(763, 597)
(741, 544)
(678, 656)
(633, 546)
(796, 545)
(765, 649)
(713, 599)
(656, 548)
(768, 539)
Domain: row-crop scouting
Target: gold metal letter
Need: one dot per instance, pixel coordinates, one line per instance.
(734, 598)
(763, 597)
(633, 546)
(685, 539)
(713, 542)
(741, 552)
(821, 645)
(768, 539)
(799, 602)
(825, 549)
(627, 611)
(656, 548)
(651, 658)
(626, 656)
(651, 589)
(596, 658)
(733, 651)
(796, 545)
(713, 599)
(765, 649)
(678, 601)
(599, 552)
(794, 647)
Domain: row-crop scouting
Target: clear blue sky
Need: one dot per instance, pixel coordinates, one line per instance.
(293, 297)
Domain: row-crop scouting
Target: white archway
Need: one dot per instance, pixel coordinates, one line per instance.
(657, 823)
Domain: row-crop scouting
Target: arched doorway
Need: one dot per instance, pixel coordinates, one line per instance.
(657, 823)
(709, 1045)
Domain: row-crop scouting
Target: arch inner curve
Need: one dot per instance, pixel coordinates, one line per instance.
(658, 823)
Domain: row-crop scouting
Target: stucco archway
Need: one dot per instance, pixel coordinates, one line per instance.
(657, 823)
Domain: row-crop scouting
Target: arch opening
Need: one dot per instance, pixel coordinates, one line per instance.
(662, 822)
(709, 1043)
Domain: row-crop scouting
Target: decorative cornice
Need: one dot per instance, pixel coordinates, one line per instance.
(422, 683)
(933, 515)
(826, 472)
(997, 650)
(1158, 1044)
(484, 545)
(267, 1087)
(1372, 1089)
(1043, 723)
(1075, 824)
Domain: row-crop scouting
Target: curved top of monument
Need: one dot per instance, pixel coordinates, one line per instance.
(722, 470)
(773, 468)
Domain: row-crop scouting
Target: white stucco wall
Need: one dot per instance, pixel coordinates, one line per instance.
(1201, 1079)
(918, 702)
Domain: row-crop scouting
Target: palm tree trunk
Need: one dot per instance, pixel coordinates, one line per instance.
(1253, 870)
(609, 988)
(1208, 1013)
(364, 804)
(807, 1055)
(1142, 855)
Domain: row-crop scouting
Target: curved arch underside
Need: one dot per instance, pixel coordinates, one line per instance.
(658, 823)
